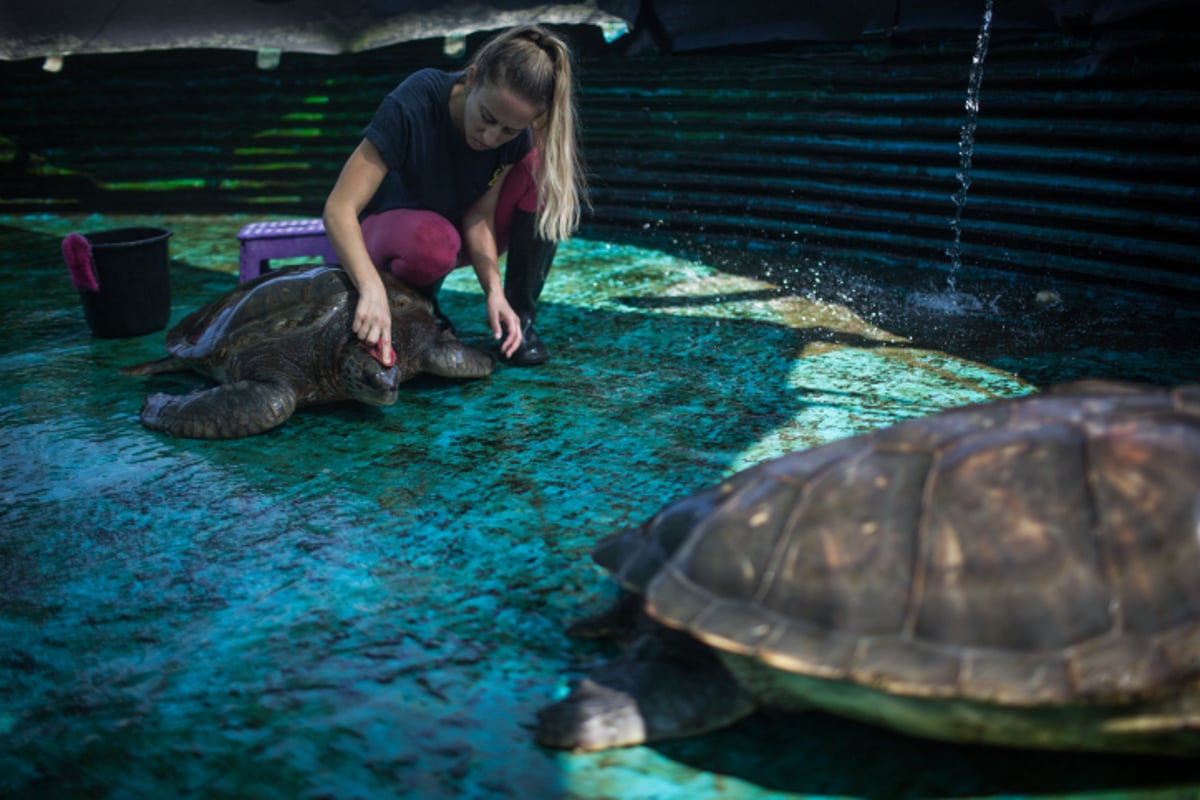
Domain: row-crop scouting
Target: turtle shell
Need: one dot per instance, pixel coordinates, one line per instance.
(1038, 551)
(280, 304)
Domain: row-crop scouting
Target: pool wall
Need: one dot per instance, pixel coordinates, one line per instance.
(1085, 156)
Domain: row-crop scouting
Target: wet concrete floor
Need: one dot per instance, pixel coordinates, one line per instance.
(372, 602)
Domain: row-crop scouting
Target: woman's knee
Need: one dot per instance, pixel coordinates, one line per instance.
(436, 242)
(419, 247)
(519, 193)
(524, 182)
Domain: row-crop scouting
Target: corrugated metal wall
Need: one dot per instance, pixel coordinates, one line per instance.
(838, 155)
(842, 153)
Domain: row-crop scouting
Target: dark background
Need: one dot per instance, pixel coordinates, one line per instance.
(802, 134)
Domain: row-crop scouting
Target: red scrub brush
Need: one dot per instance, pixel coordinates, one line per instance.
(376, 352)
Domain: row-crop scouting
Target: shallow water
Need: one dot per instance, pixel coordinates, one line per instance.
(371, 602)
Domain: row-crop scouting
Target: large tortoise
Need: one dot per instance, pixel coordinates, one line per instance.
(283, 341)
(1023, 572)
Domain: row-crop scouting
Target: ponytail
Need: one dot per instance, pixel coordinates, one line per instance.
(534, 63)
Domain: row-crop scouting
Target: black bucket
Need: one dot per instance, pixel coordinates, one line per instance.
(134, 296)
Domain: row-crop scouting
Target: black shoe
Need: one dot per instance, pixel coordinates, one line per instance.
(531, 352)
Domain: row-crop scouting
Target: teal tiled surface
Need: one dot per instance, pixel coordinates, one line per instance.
(371, 602)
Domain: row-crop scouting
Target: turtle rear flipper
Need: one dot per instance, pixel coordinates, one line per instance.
(450, 358)
(667, 686)
(229, 411)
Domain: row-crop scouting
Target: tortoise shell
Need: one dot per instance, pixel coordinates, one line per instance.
(1038, 552)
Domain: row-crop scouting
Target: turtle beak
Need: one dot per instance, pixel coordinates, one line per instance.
(367, 380)
(378, 387)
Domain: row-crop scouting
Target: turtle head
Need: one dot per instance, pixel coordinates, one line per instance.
(368, 381)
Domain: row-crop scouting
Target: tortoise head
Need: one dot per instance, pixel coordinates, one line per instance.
(368, 381)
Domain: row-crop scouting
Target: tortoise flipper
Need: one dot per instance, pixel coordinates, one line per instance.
(450, 358)
(666, 686)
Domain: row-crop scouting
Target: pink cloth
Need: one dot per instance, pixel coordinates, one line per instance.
(421, 247)
(77, 252)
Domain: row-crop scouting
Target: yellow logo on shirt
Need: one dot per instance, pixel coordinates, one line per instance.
(499, 171)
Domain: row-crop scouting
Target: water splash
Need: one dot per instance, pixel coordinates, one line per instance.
(966, 141)
(952, 303)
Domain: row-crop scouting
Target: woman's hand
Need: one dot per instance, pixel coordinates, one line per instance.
(361, 175)
(506, 325)
(373, 320)
(479, 239)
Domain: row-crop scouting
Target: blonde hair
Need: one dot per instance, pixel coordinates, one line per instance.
(534, 63)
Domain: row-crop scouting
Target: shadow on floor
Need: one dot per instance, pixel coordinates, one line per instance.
(913, 768)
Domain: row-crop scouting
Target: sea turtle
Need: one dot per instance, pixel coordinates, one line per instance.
(1021, 572)
(283, 341)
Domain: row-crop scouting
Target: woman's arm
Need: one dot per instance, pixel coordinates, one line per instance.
(361, 176)
(479, 238)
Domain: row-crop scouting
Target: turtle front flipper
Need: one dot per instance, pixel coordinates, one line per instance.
(450, 358)
(666, 686)
(229, 411)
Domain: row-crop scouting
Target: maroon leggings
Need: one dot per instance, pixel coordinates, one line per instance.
(422, 247)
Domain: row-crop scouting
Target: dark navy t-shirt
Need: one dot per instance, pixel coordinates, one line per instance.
(430, 165)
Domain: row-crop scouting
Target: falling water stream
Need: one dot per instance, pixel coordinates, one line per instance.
(952, 301)
(966, 140)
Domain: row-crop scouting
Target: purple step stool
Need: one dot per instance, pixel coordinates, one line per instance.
(263, 241)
